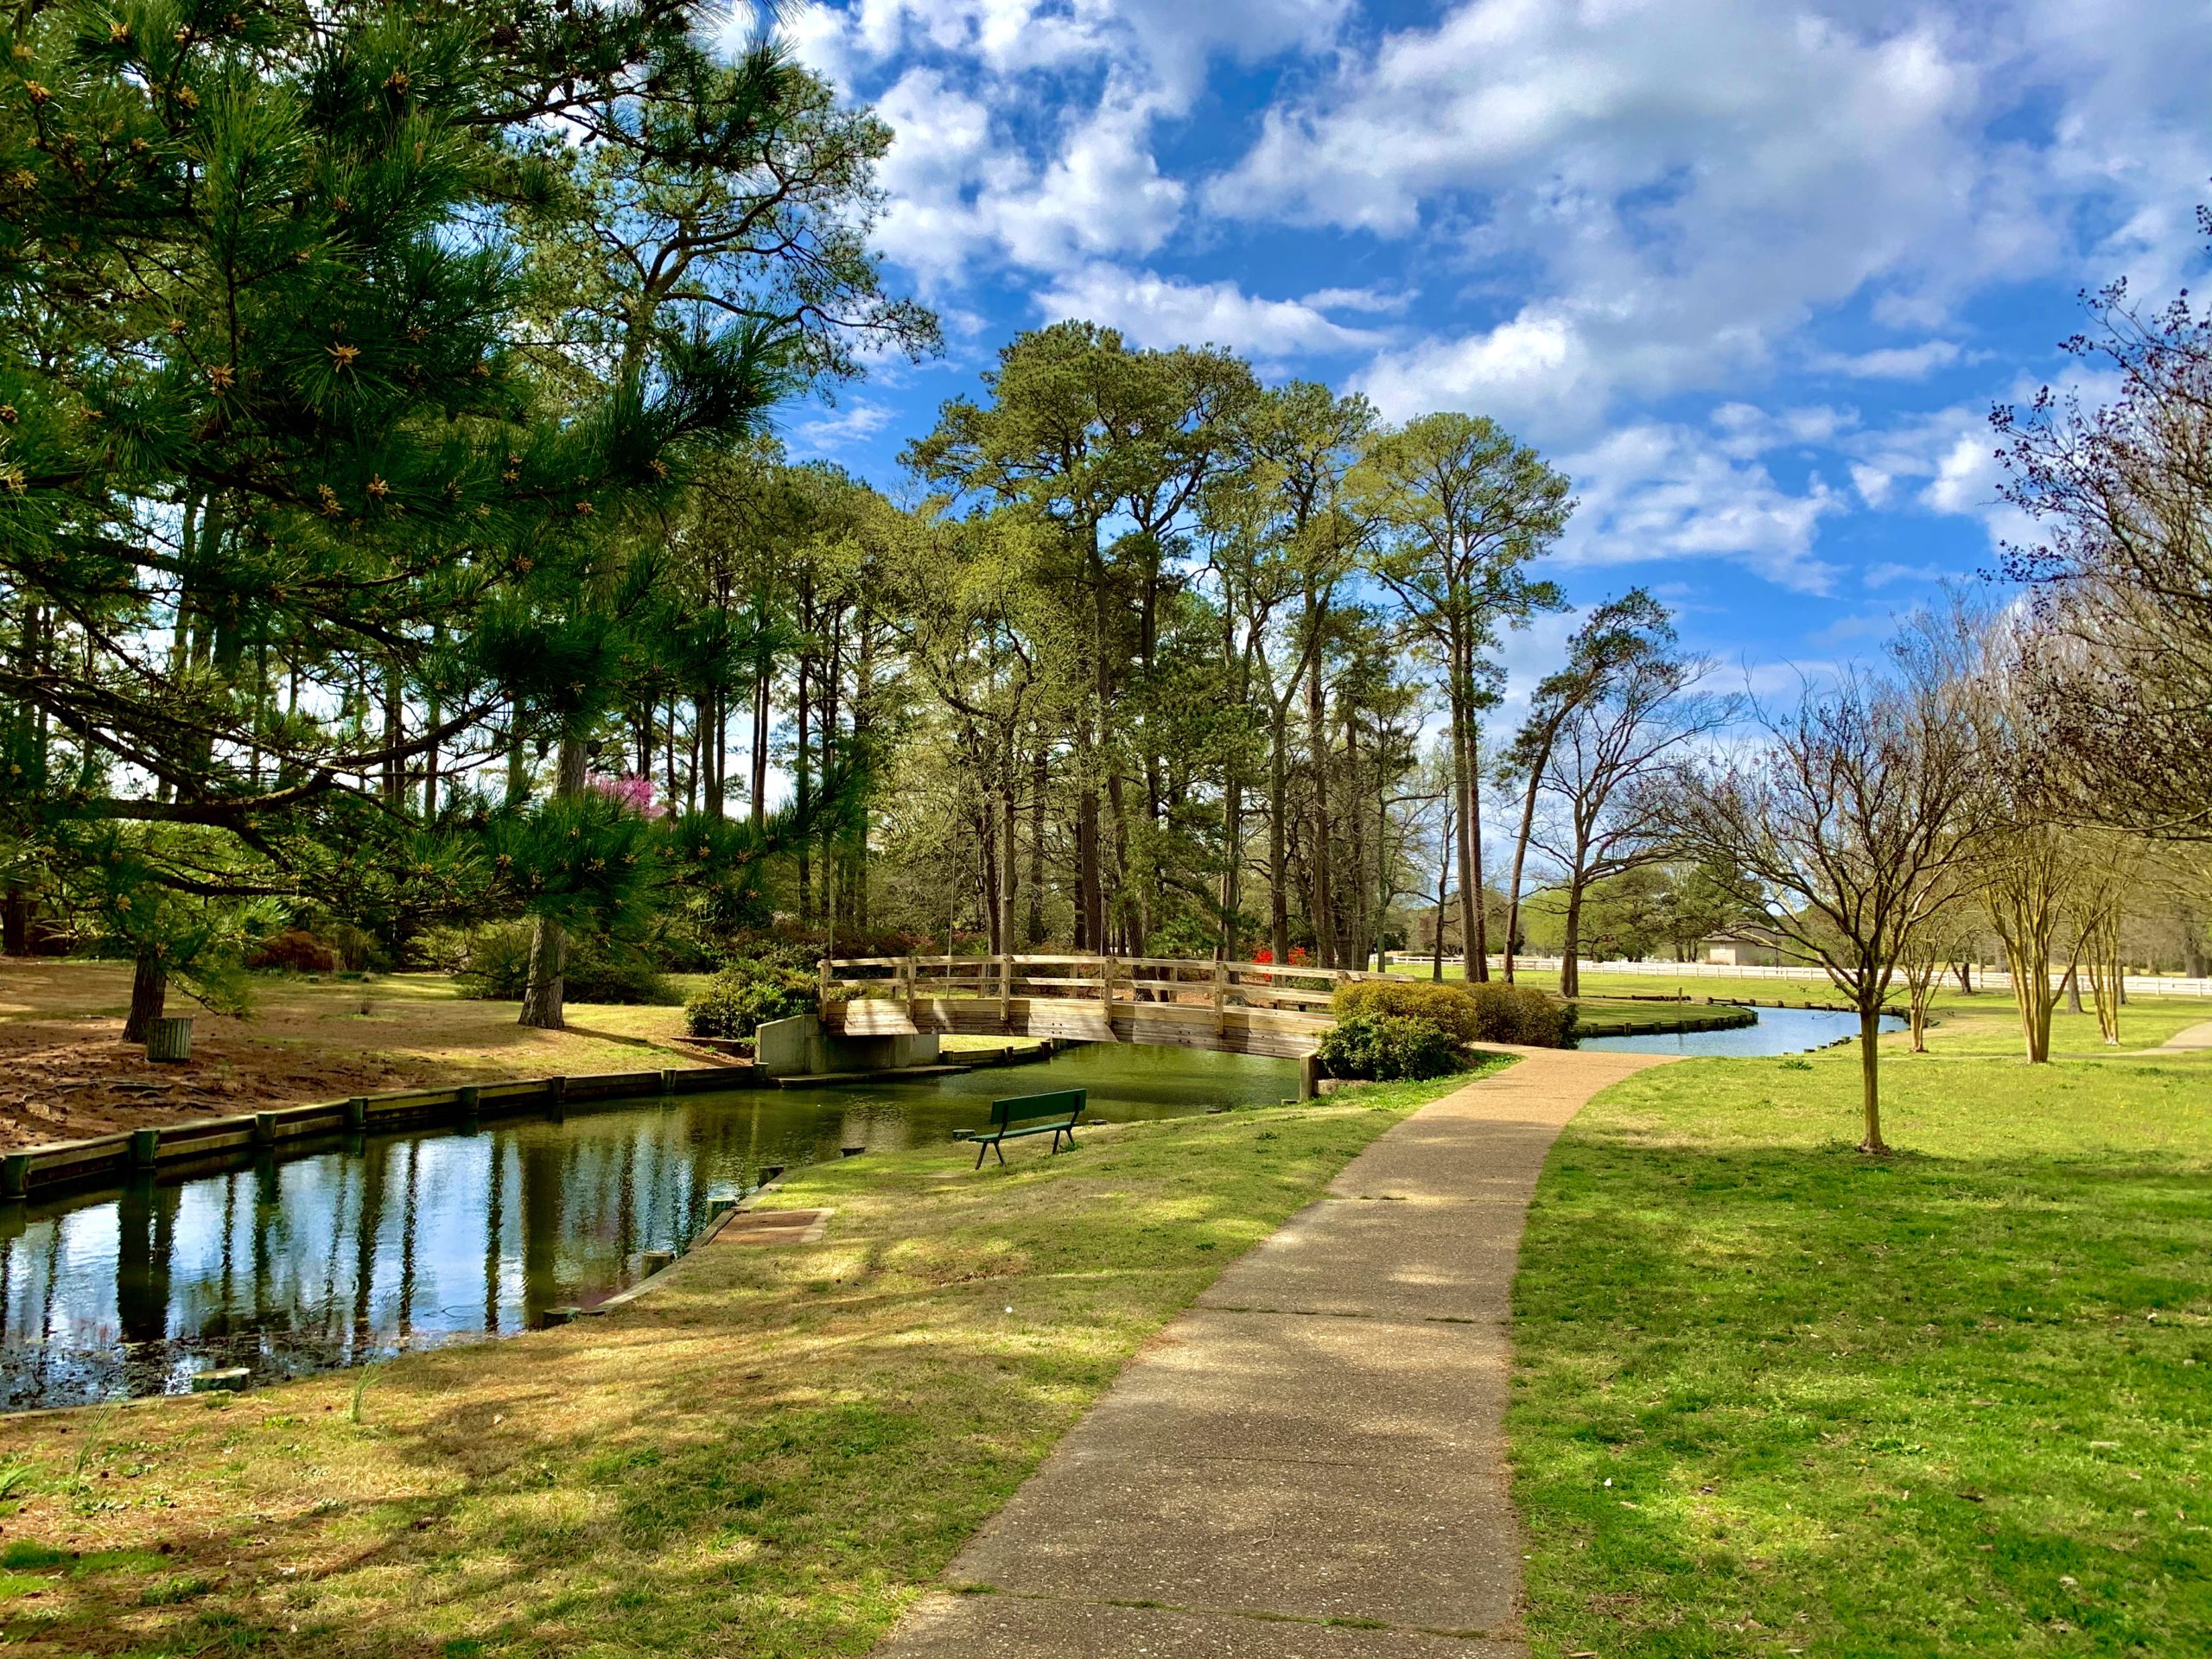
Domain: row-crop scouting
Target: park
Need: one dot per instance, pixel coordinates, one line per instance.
(1075, 832)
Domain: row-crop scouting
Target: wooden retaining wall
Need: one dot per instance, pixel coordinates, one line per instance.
(110, 1159)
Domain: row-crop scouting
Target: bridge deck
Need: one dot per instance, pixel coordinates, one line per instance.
(1281, 1033)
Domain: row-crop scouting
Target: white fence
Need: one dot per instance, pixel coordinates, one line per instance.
(1992, 979)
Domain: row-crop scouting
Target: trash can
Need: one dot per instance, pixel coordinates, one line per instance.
(168, 1040)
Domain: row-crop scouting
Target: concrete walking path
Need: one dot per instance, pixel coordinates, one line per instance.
(2189, 1041)
(1310, 1464)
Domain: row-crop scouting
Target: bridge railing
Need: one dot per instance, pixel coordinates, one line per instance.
(1105, 980)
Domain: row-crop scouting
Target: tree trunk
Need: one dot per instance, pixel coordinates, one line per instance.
(1325, 894)
(15, 920)
(1443, 892)
(1570, 950)
(1010, 862)
(1869, 1076)
(759, 752)
(1474, 969)
(150, 987)
(1520, 858)
(542, 996)
(1278, 838)
(1038, 780)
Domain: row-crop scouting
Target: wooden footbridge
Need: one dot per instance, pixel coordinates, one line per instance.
(1234, 1008)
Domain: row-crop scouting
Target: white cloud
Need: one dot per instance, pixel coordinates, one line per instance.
(1671, 191)
(1382, 301)
(1890, 362)
(1967, 476)
(1530, 367)
(959, 190)
(1161, 311)
(1659, 491)
(856, 422)
(1872, 484)
(1746, 430)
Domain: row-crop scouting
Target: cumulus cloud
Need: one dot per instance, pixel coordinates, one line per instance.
(1155, 310)
(1654, 491)
(1531, 365)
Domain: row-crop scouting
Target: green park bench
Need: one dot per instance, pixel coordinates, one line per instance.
(1059, 1110)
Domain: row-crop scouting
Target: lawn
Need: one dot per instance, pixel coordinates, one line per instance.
(1775, 1397)
(770, 1456)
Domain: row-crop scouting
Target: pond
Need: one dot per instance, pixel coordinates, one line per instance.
(360, 1250)
(1780, 1030)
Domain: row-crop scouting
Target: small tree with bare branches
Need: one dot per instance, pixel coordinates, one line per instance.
(1851, 815)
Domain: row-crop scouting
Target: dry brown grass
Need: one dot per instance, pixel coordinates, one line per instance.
(68, 1074)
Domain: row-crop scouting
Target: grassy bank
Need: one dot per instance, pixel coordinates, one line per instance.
(1775, 1397)
(769, 1457)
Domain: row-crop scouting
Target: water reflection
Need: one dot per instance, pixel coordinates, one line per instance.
(363, 1248)
(1779, 1031)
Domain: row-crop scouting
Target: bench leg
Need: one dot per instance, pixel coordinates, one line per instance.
(999, 1148)
(982, 1147)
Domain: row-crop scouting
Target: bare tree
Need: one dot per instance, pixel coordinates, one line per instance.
(1615, 635)
(1852, 814)
(1606, 772)
(2124, 577)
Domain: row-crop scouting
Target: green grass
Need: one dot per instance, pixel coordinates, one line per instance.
(1773, 1397)
(772, 1456)
(1597, 1016)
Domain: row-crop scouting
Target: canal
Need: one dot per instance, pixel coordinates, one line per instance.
(362, 1249)
(1779, 1031)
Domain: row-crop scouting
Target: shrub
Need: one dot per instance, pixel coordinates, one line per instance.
(1521, 1014)
(293, 951)
(1387, 1047)
(1472, 1013)
(1446, 1006)
(745, 994)
(499, 970)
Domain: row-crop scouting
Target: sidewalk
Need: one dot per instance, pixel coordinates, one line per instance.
(1310, 1464)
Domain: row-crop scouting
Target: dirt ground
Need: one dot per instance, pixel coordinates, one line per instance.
(66, 1073)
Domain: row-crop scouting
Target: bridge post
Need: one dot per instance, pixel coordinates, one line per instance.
(823, 1000)
(1309, 1078)
(1220, 997)
(908, 990)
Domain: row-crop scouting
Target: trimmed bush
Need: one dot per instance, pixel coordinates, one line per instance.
(1439, 1004)
(1389, 1048)
(746, 994)
(1520, 1014)
(1472, 1013)
(498, 971)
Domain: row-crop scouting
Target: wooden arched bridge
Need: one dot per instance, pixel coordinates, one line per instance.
(1235, 1007)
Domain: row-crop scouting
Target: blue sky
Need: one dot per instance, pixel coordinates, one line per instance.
(1751, 273)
